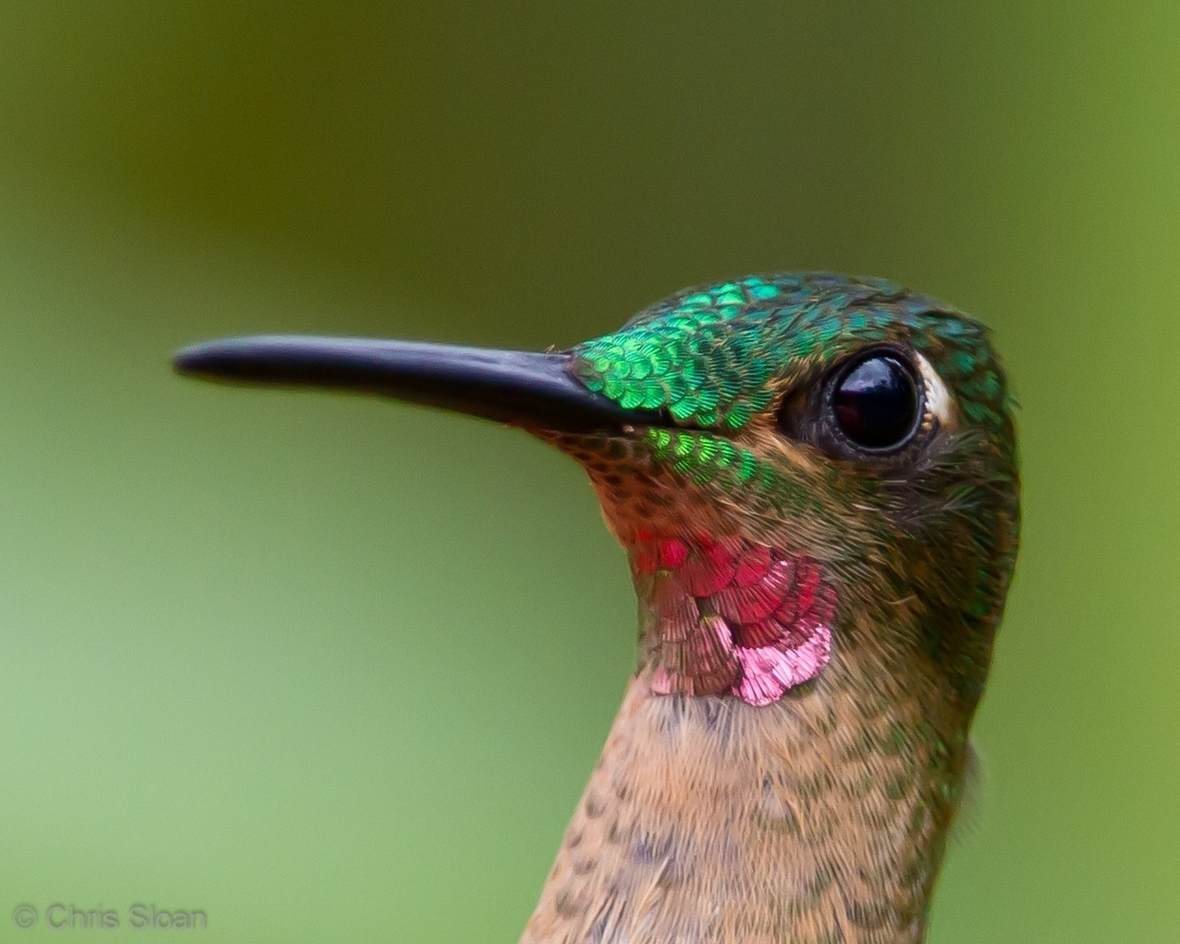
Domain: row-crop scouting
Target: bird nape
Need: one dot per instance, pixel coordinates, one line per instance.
(815, 480)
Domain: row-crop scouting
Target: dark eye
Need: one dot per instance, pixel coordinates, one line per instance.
(875, 401)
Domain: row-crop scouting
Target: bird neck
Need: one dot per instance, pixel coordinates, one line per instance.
(820, 818)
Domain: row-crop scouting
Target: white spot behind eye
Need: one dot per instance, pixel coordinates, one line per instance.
(938, 398)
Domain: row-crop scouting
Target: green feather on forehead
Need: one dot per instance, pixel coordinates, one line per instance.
(713, 357)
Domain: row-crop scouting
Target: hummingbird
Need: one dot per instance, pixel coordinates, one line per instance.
(815, 480)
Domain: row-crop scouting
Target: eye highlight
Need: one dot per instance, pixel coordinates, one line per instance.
(876, 401)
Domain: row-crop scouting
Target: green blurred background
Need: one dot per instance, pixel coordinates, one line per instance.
(334, 669)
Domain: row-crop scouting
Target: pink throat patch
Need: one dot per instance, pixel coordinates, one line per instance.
(731, 617)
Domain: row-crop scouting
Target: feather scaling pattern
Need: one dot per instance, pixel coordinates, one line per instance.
(816, 624)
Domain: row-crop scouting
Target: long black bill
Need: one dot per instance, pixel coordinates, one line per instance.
(517, 387)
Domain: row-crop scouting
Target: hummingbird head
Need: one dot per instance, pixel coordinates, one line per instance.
(803, 469)
(834, 468)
